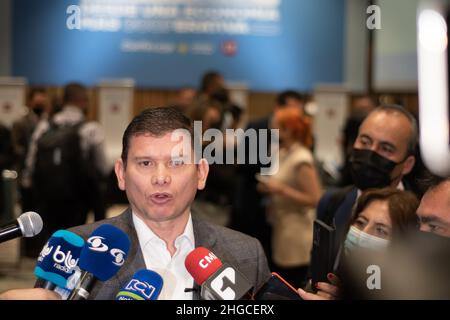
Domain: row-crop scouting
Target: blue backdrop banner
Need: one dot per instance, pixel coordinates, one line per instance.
(268, 44)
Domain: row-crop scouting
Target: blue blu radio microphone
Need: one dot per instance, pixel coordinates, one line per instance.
(144, 285)
(58, 260)
(102, 256)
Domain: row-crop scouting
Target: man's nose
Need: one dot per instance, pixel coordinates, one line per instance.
(161, 176)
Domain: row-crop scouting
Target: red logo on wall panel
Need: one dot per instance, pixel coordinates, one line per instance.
(229, 48)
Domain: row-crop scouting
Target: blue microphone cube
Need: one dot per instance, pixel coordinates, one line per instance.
(59, 257)
(104, 252)
(144, 285)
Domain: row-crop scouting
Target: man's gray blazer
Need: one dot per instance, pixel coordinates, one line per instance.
(242, 251)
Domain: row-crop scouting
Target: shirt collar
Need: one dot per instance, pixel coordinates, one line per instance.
(145, 234)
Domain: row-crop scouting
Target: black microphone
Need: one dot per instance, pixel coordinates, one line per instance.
(27, 225)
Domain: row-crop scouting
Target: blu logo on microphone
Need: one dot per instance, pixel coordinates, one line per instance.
(46, 250)
(59, 257)
(64, 260)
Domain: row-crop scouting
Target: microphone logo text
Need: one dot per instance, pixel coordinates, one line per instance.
(207, 260)
(96, 244)
(144, 288)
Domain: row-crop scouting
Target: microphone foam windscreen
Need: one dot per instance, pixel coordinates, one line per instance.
(201, 264)
(59, 256)
(104, 252)
(30, 224)
(144, 285)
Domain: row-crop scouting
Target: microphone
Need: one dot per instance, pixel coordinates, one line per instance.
(58, 260)
(218, 281)
(27, 225)
(144, 285)
(102, 256)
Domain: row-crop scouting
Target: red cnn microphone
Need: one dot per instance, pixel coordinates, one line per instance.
(218, 281)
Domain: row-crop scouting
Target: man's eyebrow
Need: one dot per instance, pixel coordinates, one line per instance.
(364, 135)
(432, 218)
(143, 158)
(388, 144)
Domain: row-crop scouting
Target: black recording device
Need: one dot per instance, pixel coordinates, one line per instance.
(323, 253)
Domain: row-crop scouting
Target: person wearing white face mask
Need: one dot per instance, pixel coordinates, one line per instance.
(380, 217)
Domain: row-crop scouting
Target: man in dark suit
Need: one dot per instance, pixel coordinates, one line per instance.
(160, 186)
(383, 154)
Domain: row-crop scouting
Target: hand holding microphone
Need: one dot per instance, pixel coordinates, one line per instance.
(29, 294)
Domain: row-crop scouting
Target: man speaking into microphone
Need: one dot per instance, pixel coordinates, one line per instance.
(161, 185)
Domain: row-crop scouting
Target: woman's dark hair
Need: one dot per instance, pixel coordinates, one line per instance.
(402, 208)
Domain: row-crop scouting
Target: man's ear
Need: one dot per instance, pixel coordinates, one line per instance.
(202, 172)
(409, 165)
(119, 168)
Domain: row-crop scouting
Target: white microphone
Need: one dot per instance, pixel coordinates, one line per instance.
(27, 225)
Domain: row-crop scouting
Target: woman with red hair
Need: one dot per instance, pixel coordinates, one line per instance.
(295, 191)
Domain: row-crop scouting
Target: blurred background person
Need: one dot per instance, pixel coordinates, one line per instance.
(249, 210)
(38, 108)
(212, 85)
(214, 202)
(66, 166)
(184, 99)
(6, 160)
(361, 107)
(295, 191)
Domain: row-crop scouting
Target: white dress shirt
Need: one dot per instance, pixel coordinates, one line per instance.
(157, 258)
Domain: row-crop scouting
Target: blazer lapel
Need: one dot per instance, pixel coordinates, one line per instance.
(135, 253)
(204, 237)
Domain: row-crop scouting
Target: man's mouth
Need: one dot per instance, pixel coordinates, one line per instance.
(160, 197)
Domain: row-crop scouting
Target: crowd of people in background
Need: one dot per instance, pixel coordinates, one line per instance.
(382, 193)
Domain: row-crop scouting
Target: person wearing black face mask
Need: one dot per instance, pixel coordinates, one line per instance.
(38, 108)
(371, 170)
(382, 155)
